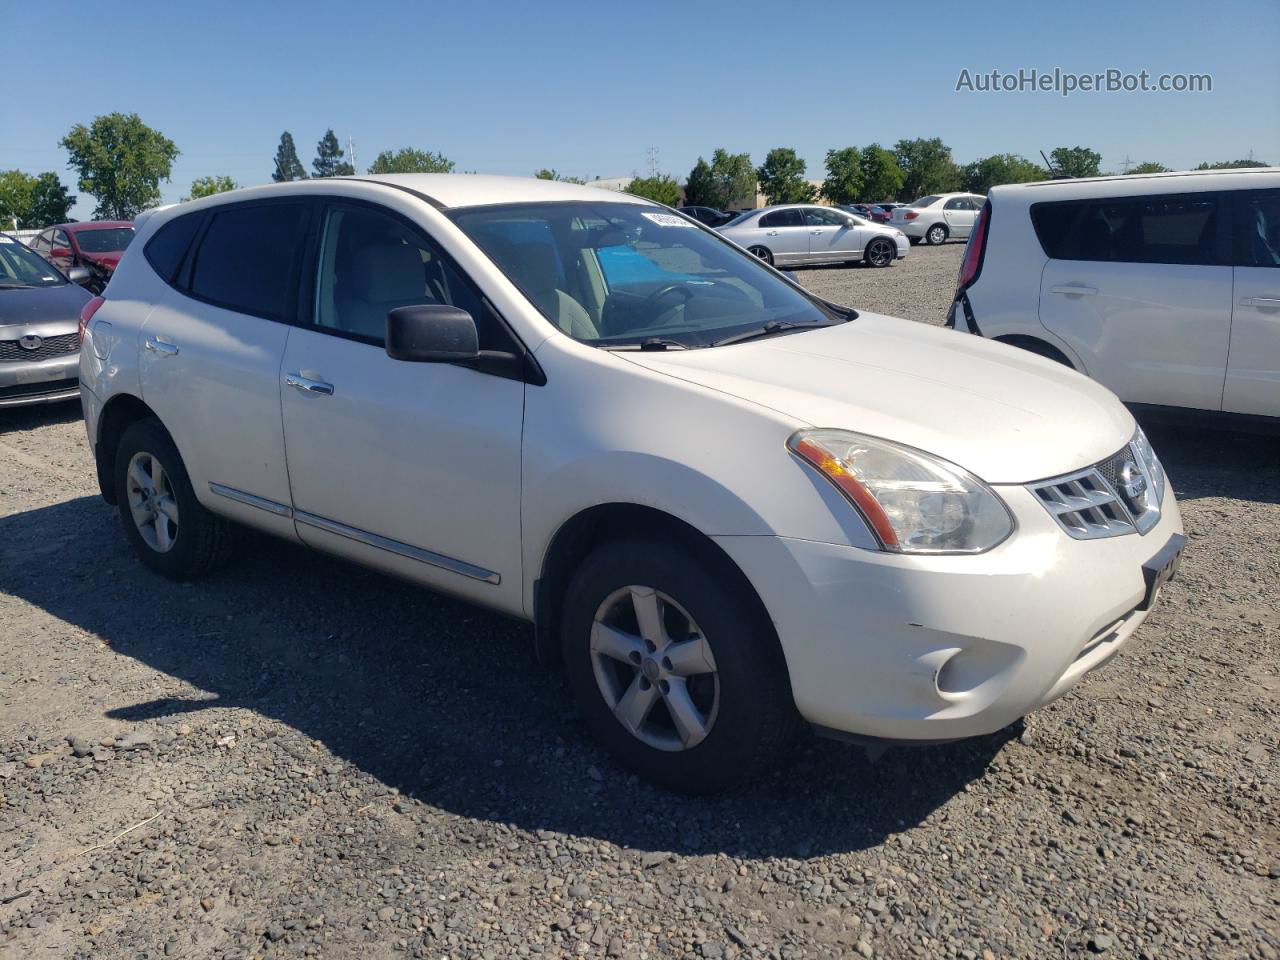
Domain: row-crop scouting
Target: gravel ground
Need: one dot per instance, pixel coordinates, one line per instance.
(301, 758)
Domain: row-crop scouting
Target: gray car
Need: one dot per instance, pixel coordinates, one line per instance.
(39, 337)
(788, 234)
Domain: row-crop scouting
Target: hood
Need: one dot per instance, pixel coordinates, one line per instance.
(110, 260)
(40, 305)
(1003, 414)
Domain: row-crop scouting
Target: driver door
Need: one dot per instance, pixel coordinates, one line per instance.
(410, 467)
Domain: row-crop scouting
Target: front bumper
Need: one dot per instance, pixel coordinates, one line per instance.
(939, 648)
(45, 381)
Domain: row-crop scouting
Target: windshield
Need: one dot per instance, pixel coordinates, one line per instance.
(629, 275)
(19, 267)
(107, 240)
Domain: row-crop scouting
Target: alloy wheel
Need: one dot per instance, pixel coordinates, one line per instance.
(937, 234)
(762, 253)
(655, 669)
(880, 254)
(152, 502)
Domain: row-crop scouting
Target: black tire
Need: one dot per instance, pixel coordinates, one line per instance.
(936, 234)
(202, 541)
(880, 252)
(915, 241)
(763, 253)
(756, 720)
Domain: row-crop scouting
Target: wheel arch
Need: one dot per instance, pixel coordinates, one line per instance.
(1036, 345)
(602, 523)
(119, 412)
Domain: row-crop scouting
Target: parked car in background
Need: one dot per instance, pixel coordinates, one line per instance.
(883, 212)
(39, 313)
(729, 506)
(938, 218)
(708, 215)
(96, 245)
(1164, 287)
(790, 234)
(857, 209)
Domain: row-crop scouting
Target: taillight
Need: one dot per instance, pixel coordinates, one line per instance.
(971, 265)
(910, 215)
(86, 314)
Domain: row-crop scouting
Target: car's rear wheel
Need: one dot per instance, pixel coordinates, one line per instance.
(880, 252)
(762, 252)
(937, 234)
(675, 667)
(166, 526)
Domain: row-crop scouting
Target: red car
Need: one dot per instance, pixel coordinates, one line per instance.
(96, 245)
(883, 212)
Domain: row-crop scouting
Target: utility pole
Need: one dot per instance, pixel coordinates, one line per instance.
(351, 153)
(1125, 164)
(652, 161)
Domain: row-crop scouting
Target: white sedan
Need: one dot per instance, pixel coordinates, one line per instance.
(791, 234)
(728, 506)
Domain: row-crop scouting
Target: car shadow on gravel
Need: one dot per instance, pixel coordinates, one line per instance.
(16, 419)
(1204, 462)
(437, 699)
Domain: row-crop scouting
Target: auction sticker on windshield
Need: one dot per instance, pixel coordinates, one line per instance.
(668, 220)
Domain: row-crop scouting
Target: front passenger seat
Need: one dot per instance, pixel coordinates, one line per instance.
(535, 265)
(383, 276)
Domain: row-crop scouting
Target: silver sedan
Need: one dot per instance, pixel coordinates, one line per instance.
(790, 234)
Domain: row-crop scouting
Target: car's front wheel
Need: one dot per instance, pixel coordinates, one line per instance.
(762, 252)
(675, 667)
(880, 252)
(169, 530)
(936, 234)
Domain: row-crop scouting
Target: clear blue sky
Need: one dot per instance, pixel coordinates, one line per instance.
(587, 88)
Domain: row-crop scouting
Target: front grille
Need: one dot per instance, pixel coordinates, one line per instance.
(51, 347)
(38, 389)
(1091, 503)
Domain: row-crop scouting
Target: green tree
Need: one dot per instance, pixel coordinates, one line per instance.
(329, 161)
(927, 167)
(121, 162)
(208, 186)
(782, 179)
(700, 191)
(288, 166)
(545, 174)
(882, 178)
(409, 160)
(1150, 166)
(987, 172)
(660, 188)
(844, 175)
(1232, 165)
(732, 180)
(50, 202)
(17, 190)
(1075, 161)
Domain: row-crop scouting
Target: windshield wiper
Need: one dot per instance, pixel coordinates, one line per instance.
(768, 330)
(648, 343)
(17, 286)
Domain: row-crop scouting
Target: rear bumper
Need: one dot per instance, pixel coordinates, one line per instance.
(940, 648)
(46, 381)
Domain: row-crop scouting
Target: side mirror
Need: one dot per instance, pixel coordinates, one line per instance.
(431, 333)
(80, 275)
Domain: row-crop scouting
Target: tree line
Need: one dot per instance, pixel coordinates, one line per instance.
(121, 162)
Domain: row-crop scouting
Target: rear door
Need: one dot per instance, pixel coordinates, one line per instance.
(1140, 287)
(1253, 365)
(959, 213)
(786, 235)
(210, 361)
(833, 235)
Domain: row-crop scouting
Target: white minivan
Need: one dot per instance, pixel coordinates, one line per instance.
(729, 506)
(1164, 288)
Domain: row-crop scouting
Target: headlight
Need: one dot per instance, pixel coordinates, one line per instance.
(913, 501)
(1150, 463)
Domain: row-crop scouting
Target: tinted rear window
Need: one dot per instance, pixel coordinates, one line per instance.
(783, 218)
(243, 263)
(1184, 229)
(166, 249)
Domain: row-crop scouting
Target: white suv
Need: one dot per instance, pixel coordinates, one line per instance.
(938, 218)
(728, 505)
(1164, 288)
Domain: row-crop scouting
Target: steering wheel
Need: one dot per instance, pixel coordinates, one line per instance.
(663, 291)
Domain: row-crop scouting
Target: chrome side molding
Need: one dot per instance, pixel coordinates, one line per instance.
(262, 503)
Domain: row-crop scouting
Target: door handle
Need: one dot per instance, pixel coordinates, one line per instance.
(1074, 291)
(816, 233)
(1273, 302)
(771, 233)
(305, 385)
(162, 347)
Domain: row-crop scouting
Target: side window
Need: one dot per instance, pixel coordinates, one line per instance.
(791, 217)
(60, 239)
(1258, 230)
(245, 260)
(40, 244)
(822, 217)
(372, 262)
(956, 203)
(1159, 229)
(165, 250)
